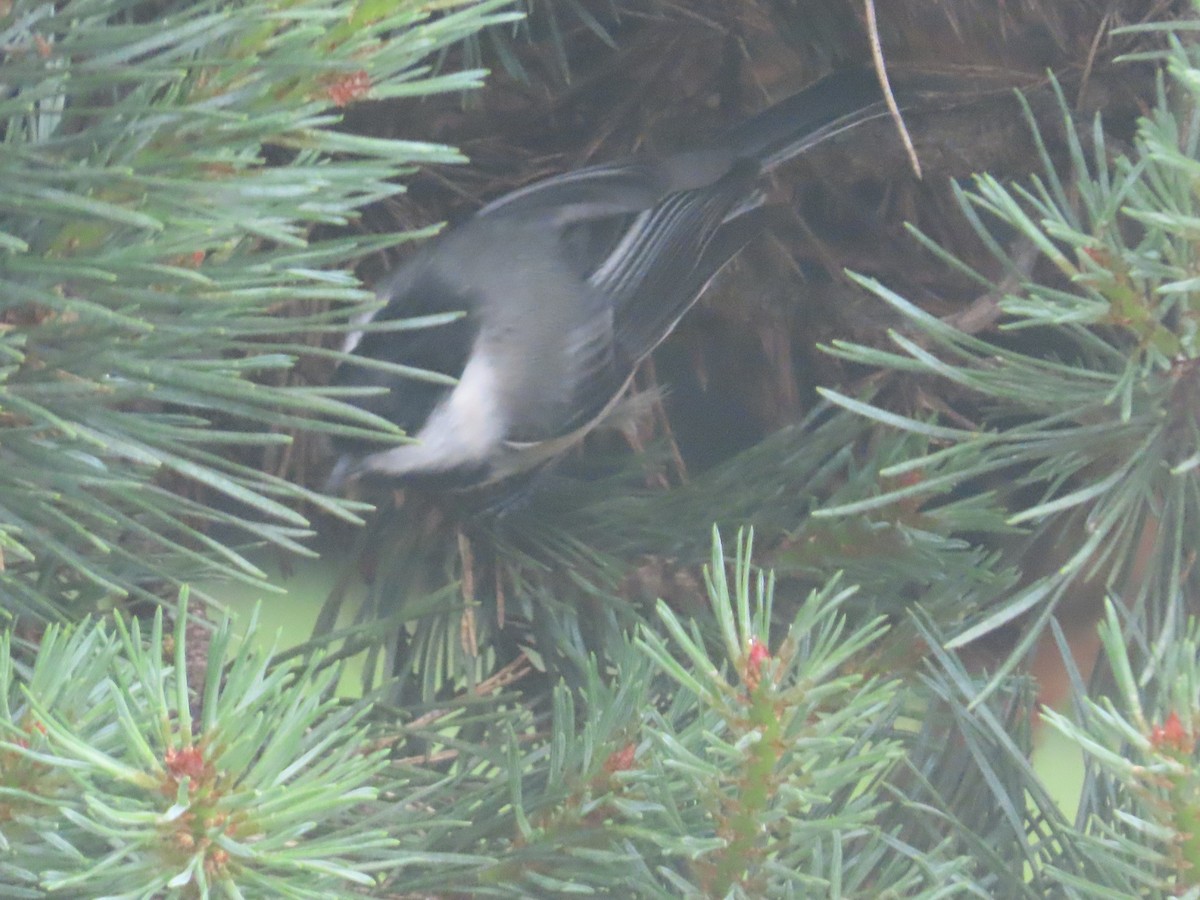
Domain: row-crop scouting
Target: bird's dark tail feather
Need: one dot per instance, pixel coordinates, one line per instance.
(788, 128)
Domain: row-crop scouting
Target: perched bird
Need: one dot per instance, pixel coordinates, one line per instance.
(566, 286)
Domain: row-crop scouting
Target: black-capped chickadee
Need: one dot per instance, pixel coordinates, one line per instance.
(567, 285)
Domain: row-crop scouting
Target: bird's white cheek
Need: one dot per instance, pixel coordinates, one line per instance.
(471, 420)
(465, 428)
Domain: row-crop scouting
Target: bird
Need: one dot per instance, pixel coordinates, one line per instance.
(564, 287)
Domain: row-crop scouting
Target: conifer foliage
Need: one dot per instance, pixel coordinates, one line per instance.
(598, 693)
(165, 165)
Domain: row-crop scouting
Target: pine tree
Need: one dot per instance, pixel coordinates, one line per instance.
(597, 692)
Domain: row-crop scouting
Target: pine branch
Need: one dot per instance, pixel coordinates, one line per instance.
(162, 270)
(251, 782)
(1096, 436)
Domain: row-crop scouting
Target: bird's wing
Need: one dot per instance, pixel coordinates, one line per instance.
(636, 274)
(669, 253)
(611, 189)
(613, 227)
